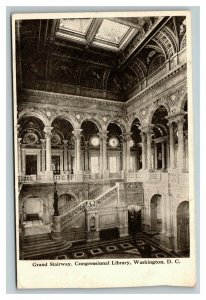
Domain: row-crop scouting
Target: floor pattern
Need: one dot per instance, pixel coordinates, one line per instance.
(121, 248)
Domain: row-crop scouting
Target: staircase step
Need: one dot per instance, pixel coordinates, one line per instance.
(56, 247)
(36, 237)
(37, 250)
(39, 245)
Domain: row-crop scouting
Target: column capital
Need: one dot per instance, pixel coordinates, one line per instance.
(77, 132)
(65, 142)
(103, 134)
(43, 141)
(176, 118)
(86, 145)
(126, 136)
(47, 130)
(147, 129)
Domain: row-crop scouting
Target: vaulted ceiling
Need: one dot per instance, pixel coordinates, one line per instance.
(105, 58)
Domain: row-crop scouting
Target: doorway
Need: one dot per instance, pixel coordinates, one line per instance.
(31, 164)
(183, 232)
(156, 213)
(134, 219)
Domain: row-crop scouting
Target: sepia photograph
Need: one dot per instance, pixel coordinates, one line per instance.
(103, 143)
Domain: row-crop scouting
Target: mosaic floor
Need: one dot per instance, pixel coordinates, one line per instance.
(121, 248)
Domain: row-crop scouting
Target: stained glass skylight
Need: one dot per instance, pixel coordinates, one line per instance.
(110, 31)
(75, 25)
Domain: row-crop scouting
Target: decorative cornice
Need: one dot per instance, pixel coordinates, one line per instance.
(37, 93)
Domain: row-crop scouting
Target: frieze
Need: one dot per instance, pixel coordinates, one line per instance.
(73, 98)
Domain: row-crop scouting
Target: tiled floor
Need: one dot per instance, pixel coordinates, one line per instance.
(121, 248)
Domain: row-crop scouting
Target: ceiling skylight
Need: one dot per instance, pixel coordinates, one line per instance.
(75, 25)
(110, 31)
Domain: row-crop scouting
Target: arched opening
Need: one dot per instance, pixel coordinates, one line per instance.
(90, 144)
(62, 147)
(159, 139)
(31, 139)
(183, 231)
(136, 146)
(114, 150)
(66, 202)
(134, 219)
(156, 213)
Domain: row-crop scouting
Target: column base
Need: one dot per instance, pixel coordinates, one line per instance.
(56, 228)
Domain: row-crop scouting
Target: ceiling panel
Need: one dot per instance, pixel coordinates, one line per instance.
(113, 32)
(75, 25)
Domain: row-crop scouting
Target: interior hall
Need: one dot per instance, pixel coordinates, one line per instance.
(102, 137)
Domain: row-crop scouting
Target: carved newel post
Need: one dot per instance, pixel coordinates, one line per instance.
(56, 219)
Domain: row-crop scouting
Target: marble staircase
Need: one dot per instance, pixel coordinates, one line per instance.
(38, 246)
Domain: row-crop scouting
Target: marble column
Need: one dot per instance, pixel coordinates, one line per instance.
(180, 160)
(103, 137)
(155, 156)
(100, 156)
(124, 153)
(137, 157)
(65, 155)
(23, 162)
(167, 155)
(43, 146)
(48, 130)
(69, 160)
(86, 156)
(163, 155)
(172, 154)
(19, 156)
(148, 149)
(143, 151)
(78, 171)
(127, 139)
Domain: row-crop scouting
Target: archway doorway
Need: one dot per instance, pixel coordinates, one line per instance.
(156, 213)
(134, 219)
(183, 232)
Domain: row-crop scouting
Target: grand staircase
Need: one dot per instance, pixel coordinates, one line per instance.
(70, 216)
(42, 245)
(38, 246)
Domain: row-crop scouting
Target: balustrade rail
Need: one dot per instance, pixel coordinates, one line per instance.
(43, 178)
(27, 178)
(68, 216)
(95, 193)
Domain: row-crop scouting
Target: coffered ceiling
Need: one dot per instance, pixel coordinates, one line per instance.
(105, 57)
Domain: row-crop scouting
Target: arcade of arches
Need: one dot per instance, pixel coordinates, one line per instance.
(110, 159)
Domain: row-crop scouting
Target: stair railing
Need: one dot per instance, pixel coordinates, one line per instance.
(87, 204)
